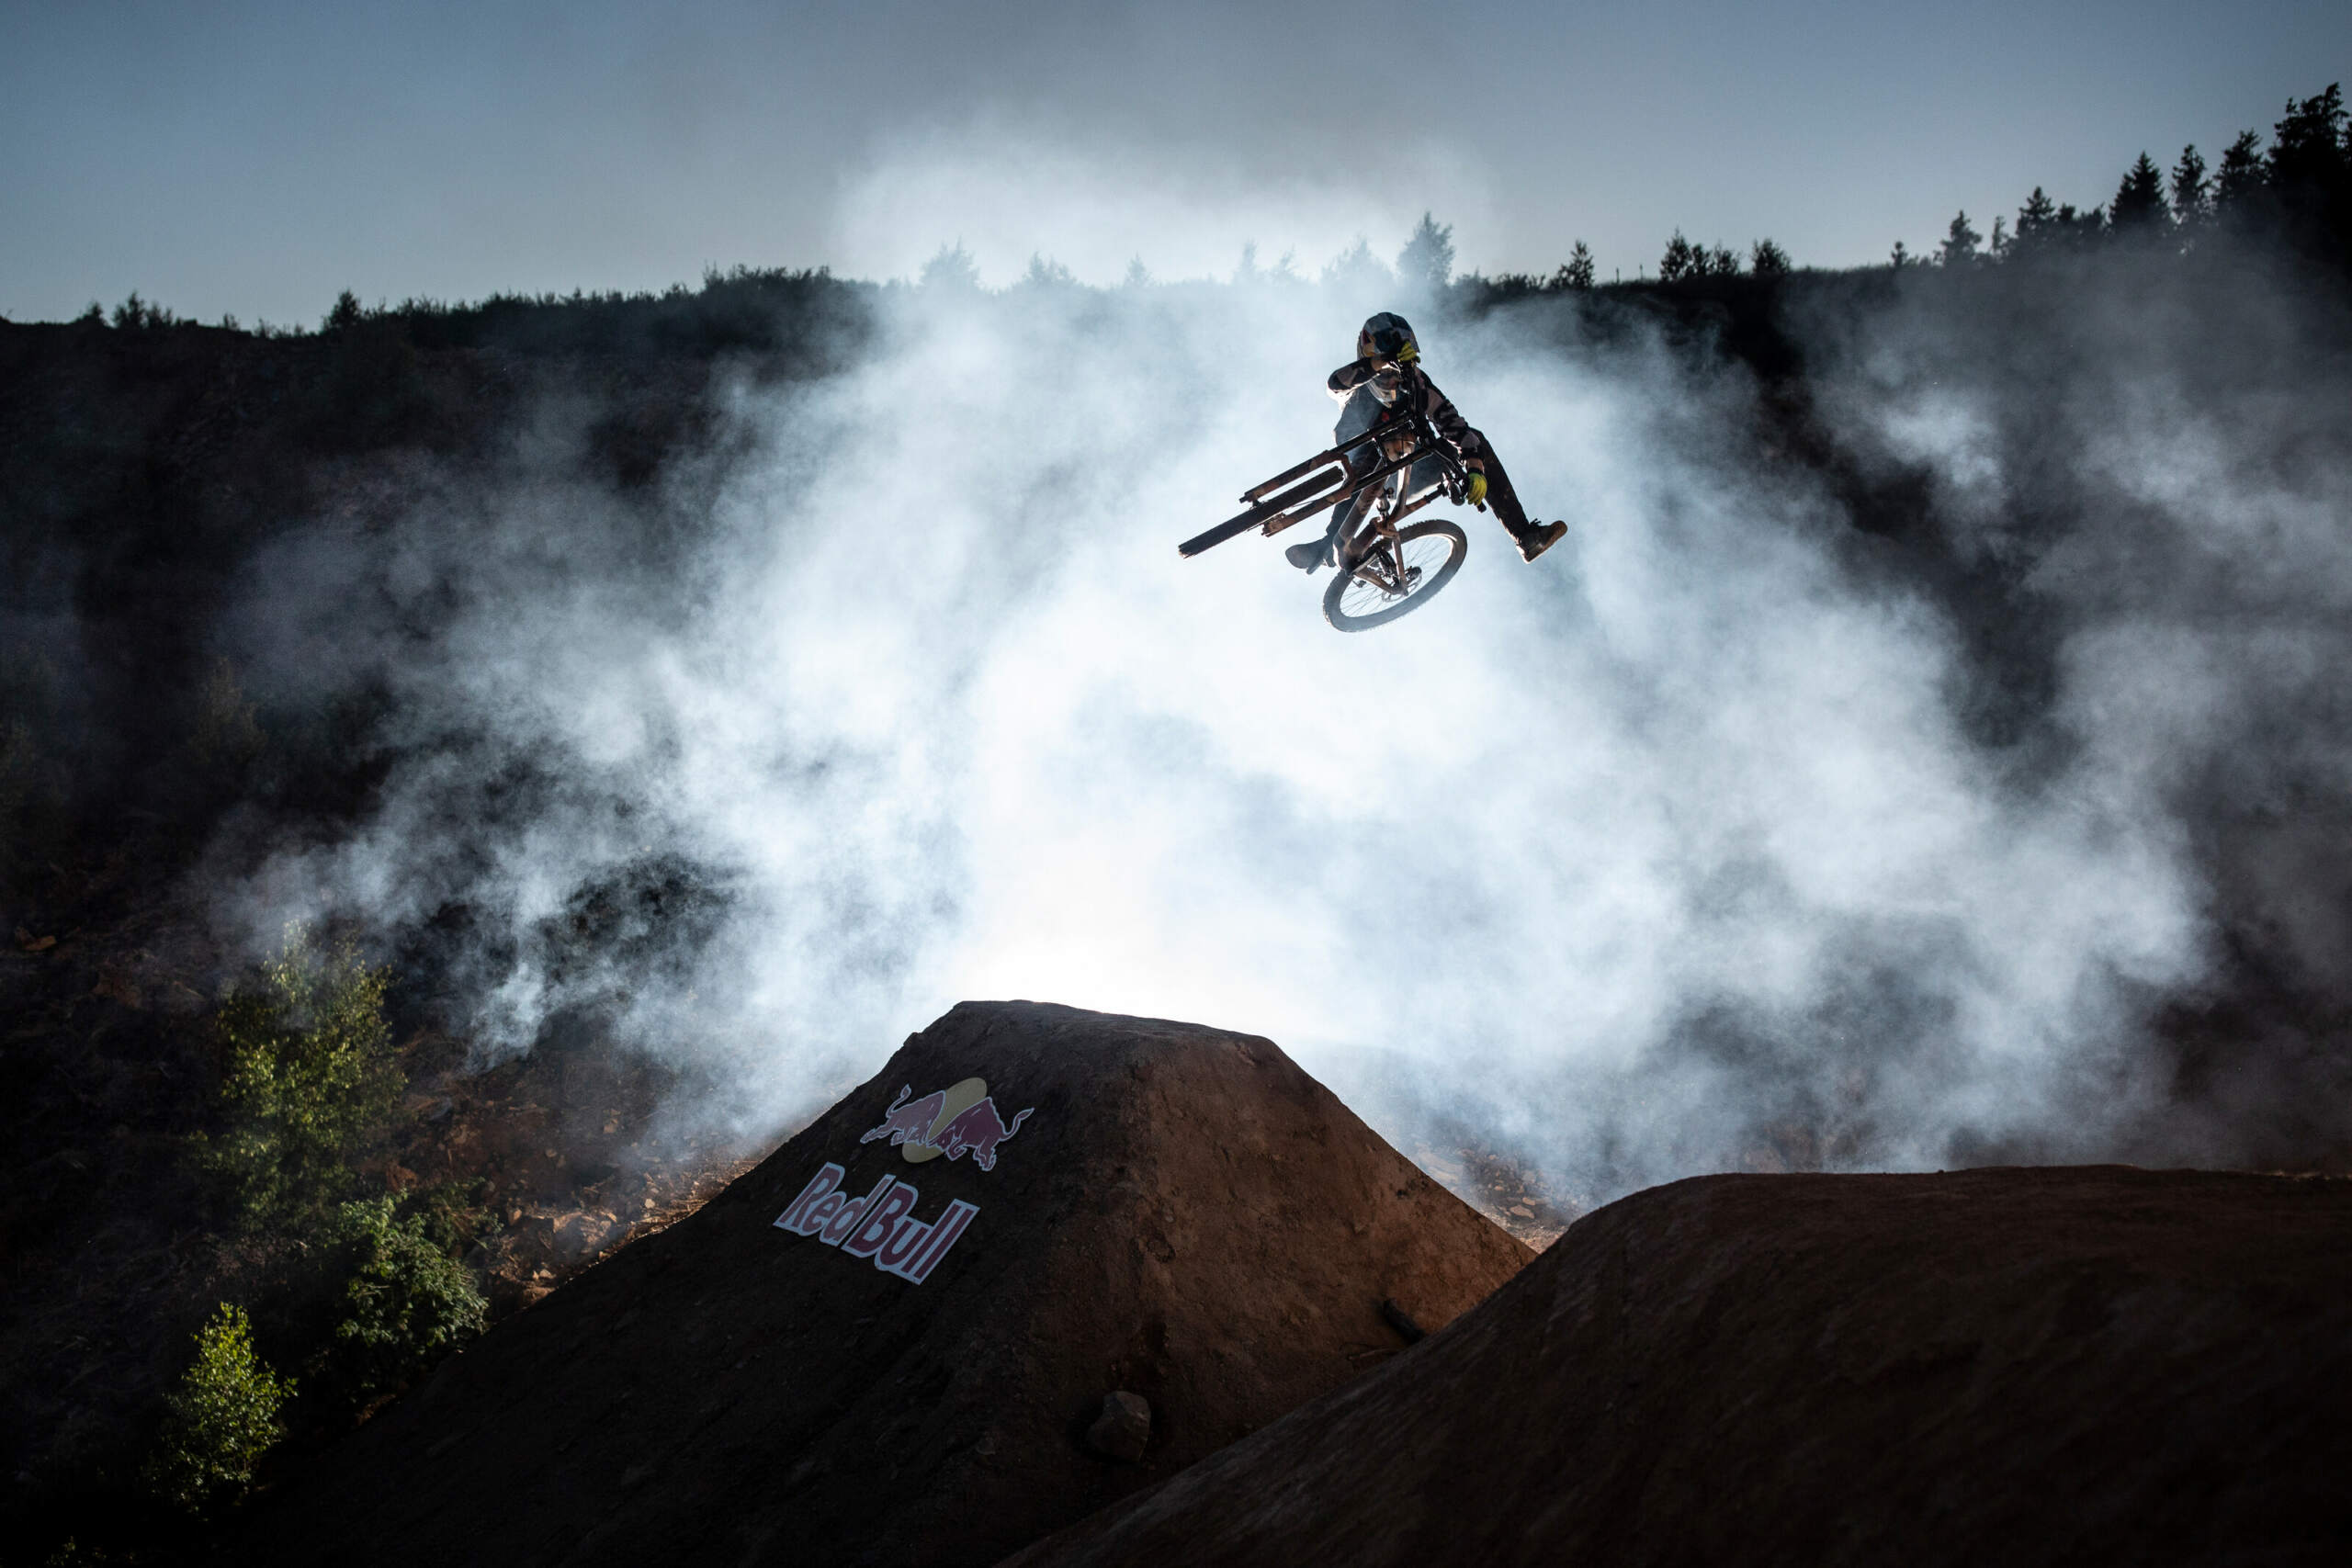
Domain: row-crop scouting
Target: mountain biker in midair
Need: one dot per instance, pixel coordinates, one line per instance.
(1382, 384)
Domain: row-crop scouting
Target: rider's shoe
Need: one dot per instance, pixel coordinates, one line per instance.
(1308, 554)
(1539, 537)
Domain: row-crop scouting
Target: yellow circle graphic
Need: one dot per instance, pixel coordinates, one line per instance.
(960, 1098)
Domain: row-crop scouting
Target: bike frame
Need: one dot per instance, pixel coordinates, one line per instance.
(1326, 480)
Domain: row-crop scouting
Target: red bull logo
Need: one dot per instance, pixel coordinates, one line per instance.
(954, 1122)
(878, 1227)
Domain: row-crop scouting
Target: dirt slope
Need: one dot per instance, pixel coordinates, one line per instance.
(1184, 1215)
(2012, 1366)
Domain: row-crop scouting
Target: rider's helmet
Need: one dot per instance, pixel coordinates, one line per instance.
(1387, 336)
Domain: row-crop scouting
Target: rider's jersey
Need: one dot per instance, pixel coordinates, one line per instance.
(1415, 384)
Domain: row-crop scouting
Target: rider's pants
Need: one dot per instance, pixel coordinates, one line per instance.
(1500, 497)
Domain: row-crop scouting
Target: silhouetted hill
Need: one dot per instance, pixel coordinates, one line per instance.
(2048, 1366)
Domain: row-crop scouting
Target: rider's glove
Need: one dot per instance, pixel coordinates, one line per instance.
(1477, 492)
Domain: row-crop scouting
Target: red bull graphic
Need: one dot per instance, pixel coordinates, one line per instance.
(879, 1226)
(978, 1129)
(952, 1121)
(910, 1122)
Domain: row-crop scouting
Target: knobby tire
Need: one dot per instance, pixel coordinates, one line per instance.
(1383, 608)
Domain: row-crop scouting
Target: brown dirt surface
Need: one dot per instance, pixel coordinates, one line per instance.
(2016, 1366)
(1186, 1216)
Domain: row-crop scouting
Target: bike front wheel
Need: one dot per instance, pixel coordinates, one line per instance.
(1396, 579)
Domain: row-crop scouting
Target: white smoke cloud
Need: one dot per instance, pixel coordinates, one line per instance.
(902, 696)
(1009, 187)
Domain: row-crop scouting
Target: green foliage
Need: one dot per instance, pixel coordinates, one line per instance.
(1766, 259)
(308, 1076)
(220, 1420)
(405, 1302)
(345, 315)
(72, 1553)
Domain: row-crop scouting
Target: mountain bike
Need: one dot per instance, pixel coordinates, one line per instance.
(1384, 571)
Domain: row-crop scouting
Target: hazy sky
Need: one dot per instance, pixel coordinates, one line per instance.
(257, 158)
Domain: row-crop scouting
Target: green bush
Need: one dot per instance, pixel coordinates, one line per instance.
(308, 1076)
(406, 1303)
(220, 1420)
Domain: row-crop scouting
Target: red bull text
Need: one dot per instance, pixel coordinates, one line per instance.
(877, 1228)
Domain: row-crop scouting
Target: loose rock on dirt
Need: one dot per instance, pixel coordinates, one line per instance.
(1124, 1429)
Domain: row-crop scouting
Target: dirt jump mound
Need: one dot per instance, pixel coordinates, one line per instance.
(2048, 1366)
(1043, 1258)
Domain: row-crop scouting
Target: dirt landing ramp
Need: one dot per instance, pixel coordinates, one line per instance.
(1184, 1214)
(2079, 1366)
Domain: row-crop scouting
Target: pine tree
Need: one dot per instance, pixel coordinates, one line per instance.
(952, 269)
(2085, 226)
(1960, 243)
(1428, 256)
(2241, 174)
(2192, 193)
(1357, 267)
(1681, 260)
(1900, 257)
(1766, 259)
(2037, 222)
(2139, 205)
(1997, 246)
(1577, 271)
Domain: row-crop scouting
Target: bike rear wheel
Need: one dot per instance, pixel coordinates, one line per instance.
(1395, 580)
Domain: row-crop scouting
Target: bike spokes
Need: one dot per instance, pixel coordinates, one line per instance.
(1396, 575)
